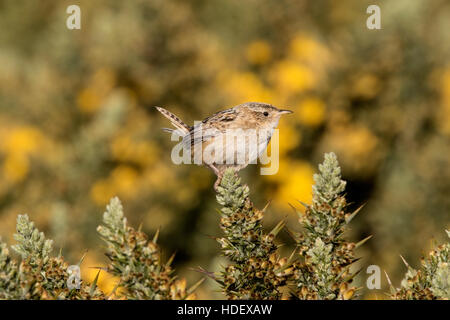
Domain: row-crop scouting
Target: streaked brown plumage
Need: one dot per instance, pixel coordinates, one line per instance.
(214, 131)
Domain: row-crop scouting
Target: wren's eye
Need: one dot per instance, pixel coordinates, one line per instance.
(265, 113)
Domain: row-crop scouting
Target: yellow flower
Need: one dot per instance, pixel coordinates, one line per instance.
(18, 144)
(443, 115)
(311, 112)
(366, 86)
(357, 148)
(290, 138)
(445, 85)
(15, 167)
(357, 140)
(90, 99)
(306, 48)
(293, 77)
(161, 176)
(258, 52)
(243, 87)
(101, 192)
(123, 148)
(124, 180)
(106, 282)
(23, 140)
(294, 179)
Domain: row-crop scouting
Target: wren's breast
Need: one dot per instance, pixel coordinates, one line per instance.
(237, 149)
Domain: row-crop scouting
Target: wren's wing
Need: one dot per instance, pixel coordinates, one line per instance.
(210, 127)
(198, 135)
(219, 119)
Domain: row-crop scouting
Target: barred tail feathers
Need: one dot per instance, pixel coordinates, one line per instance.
(176, 122)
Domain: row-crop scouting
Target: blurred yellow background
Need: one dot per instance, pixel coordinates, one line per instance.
(77, 123)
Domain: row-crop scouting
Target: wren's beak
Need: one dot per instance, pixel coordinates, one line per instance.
(285, 111)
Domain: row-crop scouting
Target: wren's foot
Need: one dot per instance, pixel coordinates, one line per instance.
(218, 181)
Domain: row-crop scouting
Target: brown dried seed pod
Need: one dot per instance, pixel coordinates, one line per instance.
(282, 261)
(343, 287)
(273, 258)
(348, 294)
(288, 271)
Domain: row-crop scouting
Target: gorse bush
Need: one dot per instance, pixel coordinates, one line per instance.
(256, 270)
(431, 281)
(319, 268)
(325, 256)
(136, 260)
(39, 275)
(133, 258)
(323, 271)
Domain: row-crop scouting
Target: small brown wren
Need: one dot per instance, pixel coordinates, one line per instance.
(231, 138)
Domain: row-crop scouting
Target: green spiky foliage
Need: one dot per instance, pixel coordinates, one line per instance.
(431, 281)
(136, 260)
(31, 244)
(38, 275)
(323, 270)
(256, 270)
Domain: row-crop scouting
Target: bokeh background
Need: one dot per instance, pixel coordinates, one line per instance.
(77, 123)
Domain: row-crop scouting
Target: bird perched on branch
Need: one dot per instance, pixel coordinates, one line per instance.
(231, 138)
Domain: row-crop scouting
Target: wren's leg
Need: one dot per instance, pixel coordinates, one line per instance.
(217, 173)
(214, 169)
(218, 181)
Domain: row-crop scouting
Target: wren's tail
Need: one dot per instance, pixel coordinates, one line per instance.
(176, 122)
